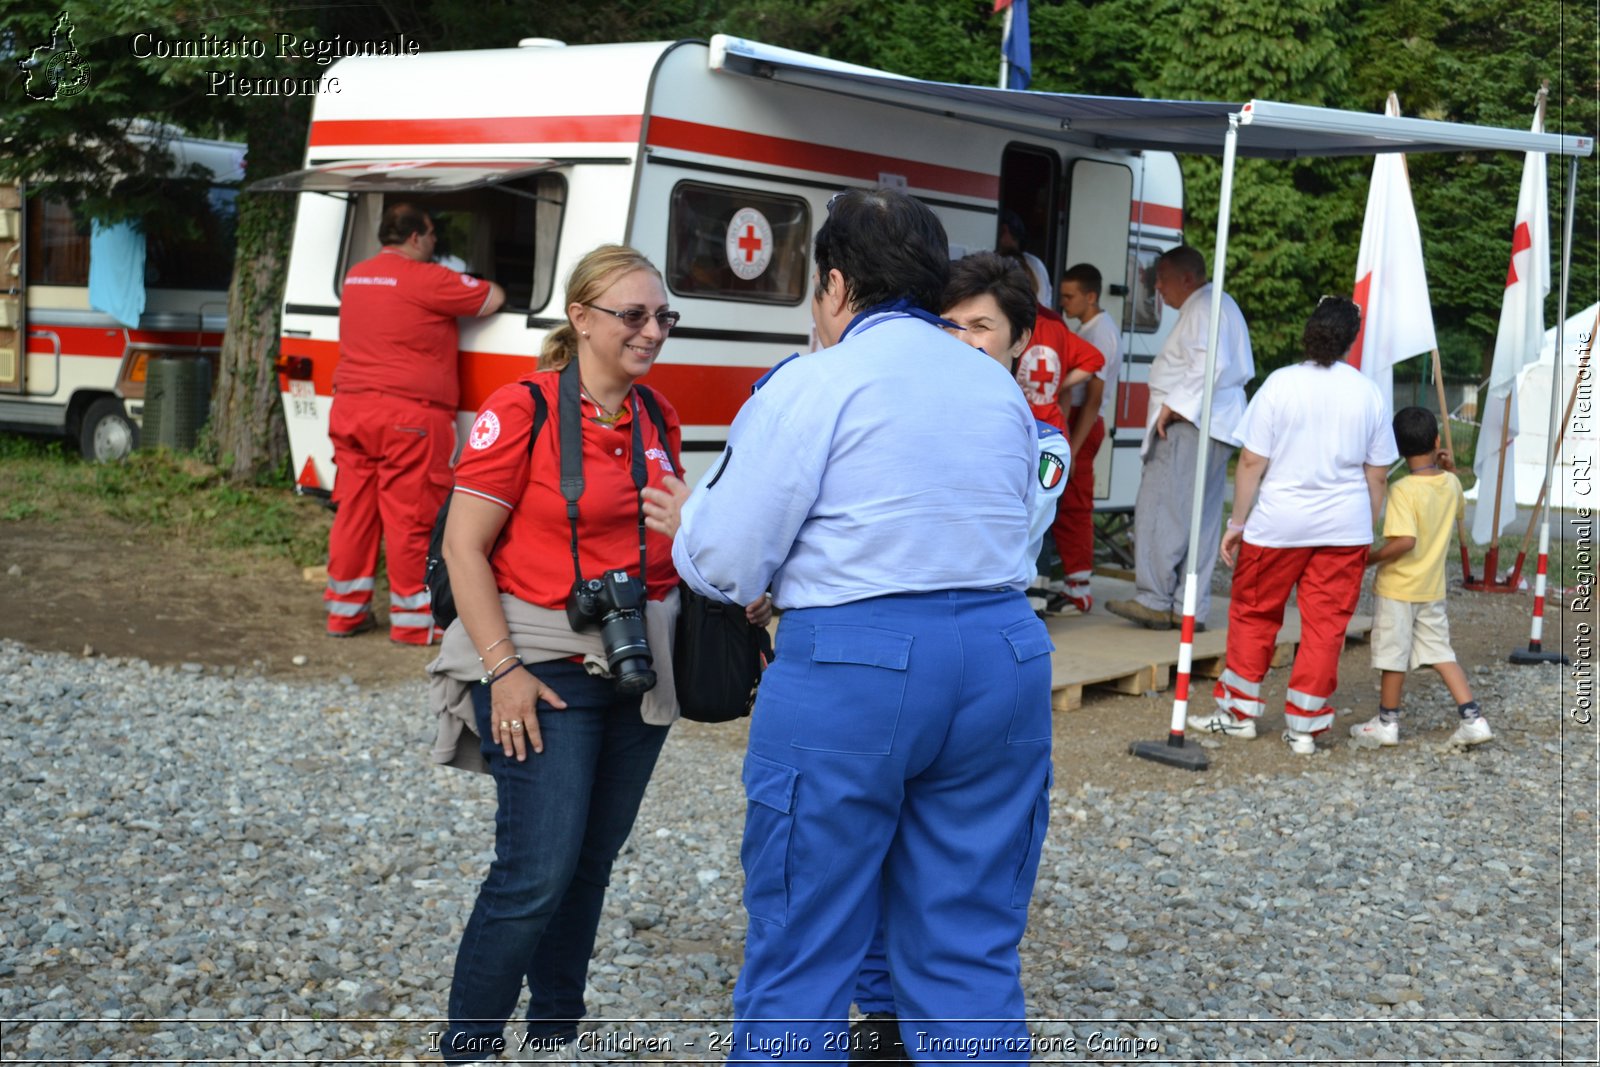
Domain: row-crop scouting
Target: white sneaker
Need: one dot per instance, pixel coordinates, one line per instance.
(1223, 722)
(1473, 731)
(1375, 730)
(1300, 744)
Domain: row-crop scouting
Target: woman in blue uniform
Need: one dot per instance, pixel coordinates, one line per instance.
(900, 746)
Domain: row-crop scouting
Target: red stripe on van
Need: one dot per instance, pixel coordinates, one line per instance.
(1170, 218)
(108, 343)
(806, 155)
(520, 129)
(1135, 406)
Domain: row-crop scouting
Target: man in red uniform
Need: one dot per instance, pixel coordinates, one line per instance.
(393, 421)
(1056, 361)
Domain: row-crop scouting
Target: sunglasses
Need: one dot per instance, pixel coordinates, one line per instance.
(633, 318)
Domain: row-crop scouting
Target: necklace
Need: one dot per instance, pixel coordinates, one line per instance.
(1429, 467)
(601, 415)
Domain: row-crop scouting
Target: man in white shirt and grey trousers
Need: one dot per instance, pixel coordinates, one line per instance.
(1172, 438)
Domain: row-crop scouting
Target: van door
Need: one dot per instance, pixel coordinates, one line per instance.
(1099, 205)
(1029, 178)
(13, 308)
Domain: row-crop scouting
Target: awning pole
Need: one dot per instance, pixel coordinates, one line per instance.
(1535, 652)
(1180, 703)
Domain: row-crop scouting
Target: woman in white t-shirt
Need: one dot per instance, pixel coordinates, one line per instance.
(1316, 448)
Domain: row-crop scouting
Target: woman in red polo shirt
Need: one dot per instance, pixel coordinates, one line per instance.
(571, 746)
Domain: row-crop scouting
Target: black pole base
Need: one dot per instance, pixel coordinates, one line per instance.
(1183, 754)
(1524, 656)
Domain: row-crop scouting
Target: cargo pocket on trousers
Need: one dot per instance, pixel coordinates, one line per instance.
(1031, 842)
(1030, 647)
(857, 676)
(768, 824)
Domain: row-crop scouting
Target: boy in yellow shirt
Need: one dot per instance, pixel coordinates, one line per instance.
(1410, 628)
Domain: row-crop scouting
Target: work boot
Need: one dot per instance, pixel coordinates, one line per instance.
(1149, 618)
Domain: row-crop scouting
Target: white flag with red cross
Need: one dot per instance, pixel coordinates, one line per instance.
(1391, 285)
(1516, 344)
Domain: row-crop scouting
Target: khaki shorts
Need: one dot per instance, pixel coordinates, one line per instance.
(1408, 635)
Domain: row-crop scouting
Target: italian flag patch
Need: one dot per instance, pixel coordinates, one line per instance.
(1051, 470)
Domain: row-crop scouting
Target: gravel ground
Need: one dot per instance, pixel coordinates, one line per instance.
(207, 867)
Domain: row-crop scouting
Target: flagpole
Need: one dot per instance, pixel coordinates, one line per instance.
(1491, 558)
(1444, 418)
(1005, 61)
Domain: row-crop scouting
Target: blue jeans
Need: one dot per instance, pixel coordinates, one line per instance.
(563, 816)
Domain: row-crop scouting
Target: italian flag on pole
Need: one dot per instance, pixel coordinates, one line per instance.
(1391, 286)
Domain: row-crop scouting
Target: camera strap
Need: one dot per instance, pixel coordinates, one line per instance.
(569, 407)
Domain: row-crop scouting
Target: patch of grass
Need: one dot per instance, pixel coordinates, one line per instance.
(164, 493)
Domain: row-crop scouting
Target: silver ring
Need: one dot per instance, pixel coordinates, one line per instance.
(505, 724)
(516, 725)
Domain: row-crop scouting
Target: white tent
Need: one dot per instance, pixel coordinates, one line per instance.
(1573, 466)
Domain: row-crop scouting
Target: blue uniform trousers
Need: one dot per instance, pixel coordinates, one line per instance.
(899, 764)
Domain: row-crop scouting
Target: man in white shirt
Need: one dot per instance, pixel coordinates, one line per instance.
(1171, 443)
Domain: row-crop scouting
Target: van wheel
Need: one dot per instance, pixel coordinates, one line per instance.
(107, 434)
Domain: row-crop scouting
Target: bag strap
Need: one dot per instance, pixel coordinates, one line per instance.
(570, 414)
(541, 412)
(653, 406)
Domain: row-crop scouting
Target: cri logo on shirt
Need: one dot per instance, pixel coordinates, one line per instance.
(484, 432)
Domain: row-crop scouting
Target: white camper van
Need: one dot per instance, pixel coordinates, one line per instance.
(529, 157)
(69, 368)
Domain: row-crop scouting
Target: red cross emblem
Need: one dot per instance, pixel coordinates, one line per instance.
(749, 244)
(1041, 374)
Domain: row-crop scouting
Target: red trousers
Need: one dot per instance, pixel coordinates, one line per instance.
(392, 457)
(1073, 529)
(1329, 580)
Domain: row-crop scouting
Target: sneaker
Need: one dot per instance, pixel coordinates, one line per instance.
(1149, 618)
(366, 625)
(875, 1038)
(1176, 618)
(1376, 730)
(1083, 602)
(1223, 722)
(1474, 731)
(1300, 744)
(1062, 604)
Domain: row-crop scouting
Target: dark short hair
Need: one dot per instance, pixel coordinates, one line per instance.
(1085, 275)
(1184, 258)
(1003, 278)
(887, 244)
(1415, 431)
(1331, 330)
(400, 221)
(1011, 220)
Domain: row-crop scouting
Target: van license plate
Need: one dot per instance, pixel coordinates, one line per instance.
(302, 399)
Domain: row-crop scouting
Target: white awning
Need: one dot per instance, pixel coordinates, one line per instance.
(1267, 129)
(402, 175)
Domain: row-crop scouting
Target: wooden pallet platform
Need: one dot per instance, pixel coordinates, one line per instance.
(1103, 651)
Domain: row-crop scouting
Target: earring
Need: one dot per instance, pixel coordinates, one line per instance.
(586, 333)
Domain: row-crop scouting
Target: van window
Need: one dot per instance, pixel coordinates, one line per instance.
(726, 243)
(506, 233)
(198, 252)
(1142, 312)
(189, 247)
(58, 244)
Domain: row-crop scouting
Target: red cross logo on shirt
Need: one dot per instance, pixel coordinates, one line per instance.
(1041, 374)
(749, 244)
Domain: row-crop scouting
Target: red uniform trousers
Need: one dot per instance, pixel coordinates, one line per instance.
(1329, 578)
(393, 472)
(1073, 529)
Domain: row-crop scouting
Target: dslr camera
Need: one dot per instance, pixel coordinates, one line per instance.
(615, 601)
